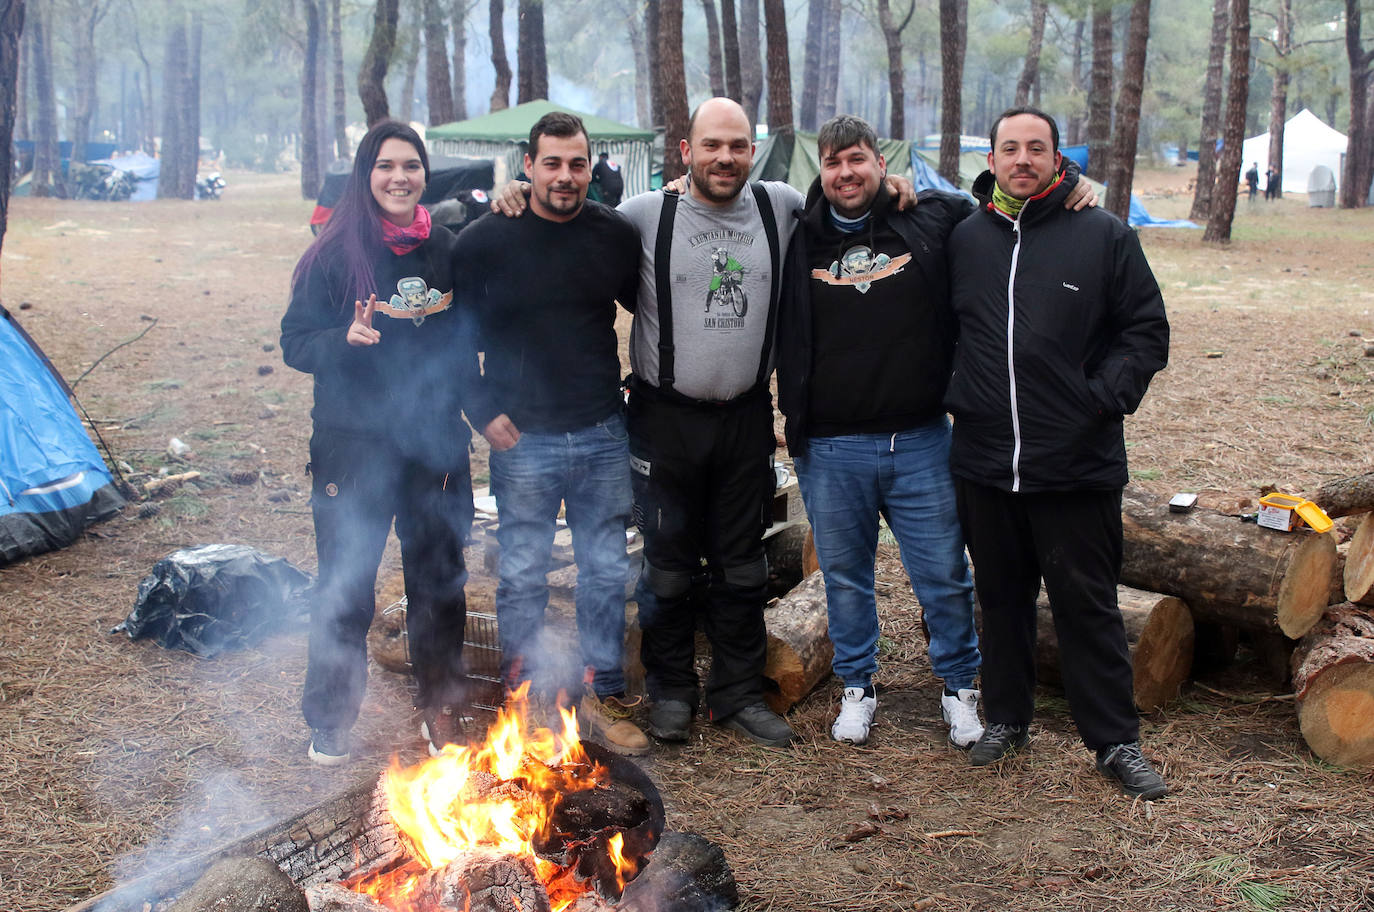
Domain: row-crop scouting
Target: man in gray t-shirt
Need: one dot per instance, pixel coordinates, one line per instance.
(700, 421)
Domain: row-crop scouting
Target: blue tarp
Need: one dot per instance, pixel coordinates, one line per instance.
(1142, 219)
(143, 167)
(53, 483)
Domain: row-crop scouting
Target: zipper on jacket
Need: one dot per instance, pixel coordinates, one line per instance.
(1011, 364)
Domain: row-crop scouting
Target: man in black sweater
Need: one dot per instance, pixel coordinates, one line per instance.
(865, 338)
(542, 292)
(1061, 327)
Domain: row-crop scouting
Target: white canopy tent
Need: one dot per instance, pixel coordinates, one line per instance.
(1307, 143)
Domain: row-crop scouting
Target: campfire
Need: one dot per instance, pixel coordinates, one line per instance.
(530, 820)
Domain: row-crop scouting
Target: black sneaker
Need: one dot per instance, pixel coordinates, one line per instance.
(1128, 766)
(760, 723)
(670, 720)
(329, 746)
(442, 725)
(998, 740)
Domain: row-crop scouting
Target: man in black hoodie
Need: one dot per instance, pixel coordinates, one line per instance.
(1061, 327)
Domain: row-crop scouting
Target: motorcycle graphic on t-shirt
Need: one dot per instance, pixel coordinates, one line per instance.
(727, 284)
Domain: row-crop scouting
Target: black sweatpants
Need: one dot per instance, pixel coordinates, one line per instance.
(359, 483)
(1073, 541)
(703, 489)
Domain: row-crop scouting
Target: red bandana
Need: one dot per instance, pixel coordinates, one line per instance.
(403, 240)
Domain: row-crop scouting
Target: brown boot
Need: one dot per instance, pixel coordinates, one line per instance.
(607, 719)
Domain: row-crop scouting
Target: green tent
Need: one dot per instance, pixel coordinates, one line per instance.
(798, 162)
(502, 136)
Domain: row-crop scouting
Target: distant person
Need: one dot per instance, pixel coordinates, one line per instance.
(551, 408)
(610, 183)
(1252, 179)
(1061, 328)
(1271, 183)
(388, 437)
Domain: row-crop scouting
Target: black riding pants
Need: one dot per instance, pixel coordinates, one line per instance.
(703, 490)
(359, 484)
(1073, 541)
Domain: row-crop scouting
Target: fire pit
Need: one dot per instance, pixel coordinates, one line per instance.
(530, 820)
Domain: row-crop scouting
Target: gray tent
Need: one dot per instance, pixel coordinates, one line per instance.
(1321, 187)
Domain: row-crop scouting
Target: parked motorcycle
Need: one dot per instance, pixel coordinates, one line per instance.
(210, 186)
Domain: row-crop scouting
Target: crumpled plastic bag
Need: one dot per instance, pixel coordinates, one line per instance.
(215, 597)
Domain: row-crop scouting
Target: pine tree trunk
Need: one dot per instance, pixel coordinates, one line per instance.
(47, 173)
(811, 64)
(1121, 170)
(1355, 172)
(831, 49)
(11, 35)
(190, 140)
(460, 59)
(1278, 96)
(500, 93)
(86, 65)
(674, 79)
(1237, 92)
(339, 96)
(953, 40)
(729, 28)
(408, 34)
(780, 121)
(896, 72)
(1073, 124)
(750, 59)
(531, 62)
(652, 14)
(324, 141)
(1212, 90)
(1100, 92)
(310, 160)
(634, 31)
(715, 71)
(438, 89)
(1030, 71)
(372, 73)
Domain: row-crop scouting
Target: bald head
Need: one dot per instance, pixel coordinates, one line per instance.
(718, 151)
(719, 107)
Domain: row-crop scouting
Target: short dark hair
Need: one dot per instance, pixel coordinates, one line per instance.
(1034, 112)
(844, 131)
(560, 124)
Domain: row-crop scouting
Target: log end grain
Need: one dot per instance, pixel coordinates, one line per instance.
(1337, 715)
(1163, 655)
(1306, 588)
(1359, 564)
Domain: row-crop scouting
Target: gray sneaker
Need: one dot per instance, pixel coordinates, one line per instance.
(1128, 766)
(328, 746)
(670, 720)
(998, 740)
(759, 723)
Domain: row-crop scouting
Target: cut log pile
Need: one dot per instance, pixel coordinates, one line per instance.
(1333, 679)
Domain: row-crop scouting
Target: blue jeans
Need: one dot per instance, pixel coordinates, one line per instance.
(587, 470)
(846, 483)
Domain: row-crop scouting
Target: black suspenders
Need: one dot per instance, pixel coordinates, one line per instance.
(663, 248)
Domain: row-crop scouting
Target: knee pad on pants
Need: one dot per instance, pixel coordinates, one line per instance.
(752, 575)
(667, 584)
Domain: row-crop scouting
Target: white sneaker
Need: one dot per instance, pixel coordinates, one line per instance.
(855, 718)
(961, 714)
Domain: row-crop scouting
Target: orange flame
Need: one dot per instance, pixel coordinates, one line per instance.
(501, 794)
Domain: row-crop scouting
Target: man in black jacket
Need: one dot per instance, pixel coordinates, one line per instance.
(1061, 327)
(865, 338)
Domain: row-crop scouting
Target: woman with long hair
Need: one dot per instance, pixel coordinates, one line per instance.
(371, 318)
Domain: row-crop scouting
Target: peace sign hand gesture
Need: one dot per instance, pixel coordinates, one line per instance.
(360, 331)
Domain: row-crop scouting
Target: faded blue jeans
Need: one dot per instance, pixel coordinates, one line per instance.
(588, 471)
(846, 483)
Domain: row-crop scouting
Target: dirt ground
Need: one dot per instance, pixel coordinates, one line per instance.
(120, 756)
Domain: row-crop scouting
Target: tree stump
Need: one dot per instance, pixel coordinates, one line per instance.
(1227, 571)
(1333, 678)
(799, 647)
(1359, 564)
(1345, 496)
(1159, 633)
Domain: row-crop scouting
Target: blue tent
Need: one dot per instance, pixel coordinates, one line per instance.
(143, 167)
(53, 483)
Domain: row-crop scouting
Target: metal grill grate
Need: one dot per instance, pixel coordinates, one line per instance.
(482, 662)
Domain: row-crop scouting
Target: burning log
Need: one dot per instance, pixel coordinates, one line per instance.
(244, 885)
(333, 897)
(1227, 571)
(485, 880)
(799, 647)
(1359, 565)
(1345, 496)
(687, 873)
(1333, 678)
